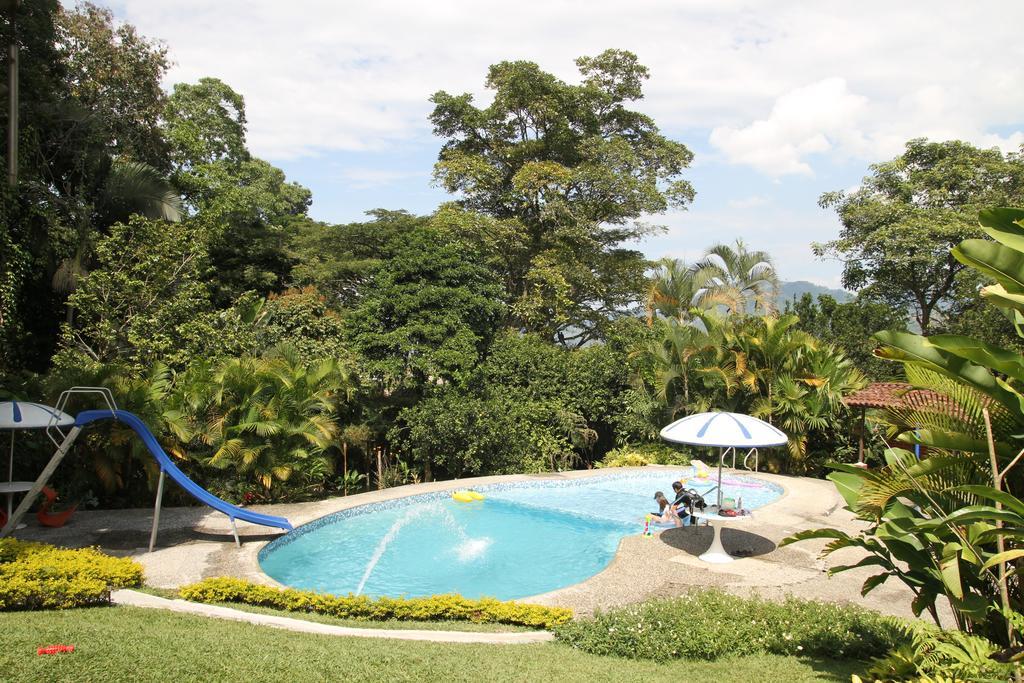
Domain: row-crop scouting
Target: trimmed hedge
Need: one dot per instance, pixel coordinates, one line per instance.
(434, 608)
(711, 624)
(41, 576)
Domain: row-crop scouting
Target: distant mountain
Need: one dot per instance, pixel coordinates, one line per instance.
(790, 290)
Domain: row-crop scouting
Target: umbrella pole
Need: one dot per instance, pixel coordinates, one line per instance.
(721, 457)
(10, 476)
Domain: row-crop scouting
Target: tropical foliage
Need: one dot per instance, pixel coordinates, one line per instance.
(145, 248)
(950, 525)
(763, 366)
(267, 417)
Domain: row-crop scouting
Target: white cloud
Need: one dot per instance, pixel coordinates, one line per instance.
(365, 178)
(808, 120)
(751, 202)
(780, 83)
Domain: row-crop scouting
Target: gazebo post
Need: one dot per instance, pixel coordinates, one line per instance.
(860, 437)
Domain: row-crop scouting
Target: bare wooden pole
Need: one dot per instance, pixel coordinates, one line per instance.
(997, 483)
(860, 437)
(12, 99)
(380, 470)
(344, 466)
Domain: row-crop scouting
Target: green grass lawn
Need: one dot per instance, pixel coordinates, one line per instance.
(132, 644)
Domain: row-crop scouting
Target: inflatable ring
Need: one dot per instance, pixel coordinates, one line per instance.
(466, 496)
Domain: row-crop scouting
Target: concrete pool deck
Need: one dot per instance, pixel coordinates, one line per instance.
(196, 543)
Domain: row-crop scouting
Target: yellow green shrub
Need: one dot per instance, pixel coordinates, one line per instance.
(41, 576)
(434, 608)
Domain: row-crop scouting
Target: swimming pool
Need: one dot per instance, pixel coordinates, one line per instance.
(526, 538)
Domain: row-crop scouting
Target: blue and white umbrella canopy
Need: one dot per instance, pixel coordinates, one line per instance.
(724, 431)
(22, 415)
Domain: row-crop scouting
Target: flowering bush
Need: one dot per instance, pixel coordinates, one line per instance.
(40, 576)
(436, 607)
(711, 624)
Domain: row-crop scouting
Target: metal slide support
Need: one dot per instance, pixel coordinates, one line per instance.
(44, 477)
(234, 530)
(156, 510)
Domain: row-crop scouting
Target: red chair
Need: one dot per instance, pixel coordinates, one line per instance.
(55, 519)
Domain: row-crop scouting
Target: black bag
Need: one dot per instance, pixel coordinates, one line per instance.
(695, 500)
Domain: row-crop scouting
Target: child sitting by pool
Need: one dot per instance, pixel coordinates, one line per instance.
(665, 513)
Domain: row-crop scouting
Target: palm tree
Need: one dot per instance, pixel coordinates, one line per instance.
(770, 346)
(736, 279)
(269, 417)
(671, 290)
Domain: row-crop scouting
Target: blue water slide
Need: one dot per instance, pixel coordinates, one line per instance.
(167, 465)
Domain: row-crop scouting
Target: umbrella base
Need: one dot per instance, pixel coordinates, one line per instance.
(716, 553)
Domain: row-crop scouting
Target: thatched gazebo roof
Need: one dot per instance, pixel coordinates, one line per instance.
(900, 395)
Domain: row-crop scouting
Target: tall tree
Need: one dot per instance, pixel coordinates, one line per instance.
(562, 173)
(204, 123)
(341, 260)
(90, 99)
(898, 228)
(244, 207)
(427, 318)
(115, 74)
(135, 306)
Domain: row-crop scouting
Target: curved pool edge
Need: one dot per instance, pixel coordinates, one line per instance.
(310, 513)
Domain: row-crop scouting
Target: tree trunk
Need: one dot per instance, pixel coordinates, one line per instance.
(380, 469)
(344, 467)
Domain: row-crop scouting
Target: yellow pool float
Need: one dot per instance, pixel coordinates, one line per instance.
(467, 496)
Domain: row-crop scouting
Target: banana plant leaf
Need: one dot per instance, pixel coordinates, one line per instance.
(1009, 501)
(1004, 226)
(1003, 264)
(912, 348)
(1001, 298)
(1007, 362)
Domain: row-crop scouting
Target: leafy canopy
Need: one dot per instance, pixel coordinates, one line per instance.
(561, 172)
(899, 227)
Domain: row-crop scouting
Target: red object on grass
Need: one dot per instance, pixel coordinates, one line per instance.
(55, 649)
(55, 519)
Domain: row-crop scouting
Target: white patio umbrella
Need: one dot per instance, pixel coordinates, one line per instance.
(724, 431)
(15, 415)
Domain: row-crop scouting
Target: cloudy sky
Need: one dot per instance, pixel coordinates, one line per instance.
(780, 101)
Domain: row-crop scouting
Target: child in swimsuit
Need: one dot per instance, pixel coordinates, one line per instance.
(665, 513)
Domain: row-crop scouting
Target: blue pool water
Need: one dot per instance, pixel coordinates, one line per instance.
(524, 539)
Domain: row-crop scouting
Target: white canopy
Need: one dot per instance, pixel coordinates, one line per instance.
(724, 430)
(21, 415)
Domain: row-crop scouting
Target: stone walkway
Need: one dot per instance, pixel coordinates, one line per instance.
(196, 543)
(137, 599)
